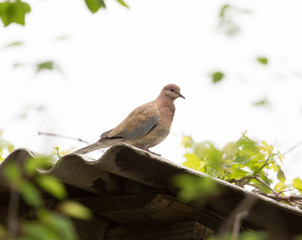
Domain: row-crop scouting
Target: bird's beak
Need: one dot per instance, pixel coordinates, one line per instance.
(181, 96)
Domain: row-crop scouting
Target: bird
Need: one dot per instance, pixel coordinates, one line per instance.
(145, 127)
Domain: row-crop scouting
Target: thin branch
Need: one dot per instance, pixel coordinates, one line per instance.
(265, 164)
(240, 182)
(13, 223)
(295, 201)
(238, 219)
(293, 148)
(265, 184)
(62, 136)
(234, 220)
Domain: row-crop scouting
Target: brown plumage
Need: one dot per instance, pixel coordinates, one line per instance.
(145, 127)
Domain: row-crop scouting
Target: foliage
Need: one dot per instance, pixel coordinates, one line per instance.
(190, 188)
(5, 146)
(248, 235)
(242, 162)
(223, 10)
(262, 102)
(227, 14)
(47, 65)
(75, 210)
(15, 11)
(121, 2)
(58, 153)
(95, 5)
(262, 60)
(217, 77)
(14, 44)
(52, 223)
(39, 66)
(297, 183)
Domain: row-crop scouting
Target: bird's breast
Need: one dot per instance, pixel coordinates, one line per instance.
(167, 114)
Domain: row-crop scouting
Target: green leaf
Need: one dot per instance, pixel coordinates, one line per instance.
(48, 65)
(31, 194)
(299, 237)
(229, 150)
(214, 158)
(52, 186)
(62, 38)
(247, 145)
(274, 166)
(238, 173)
(13, 12)
(263, 102)
(61, 225)
(193, 161)
(262, 60)
(201, 149)
(3, 232)
(12, 173)
(6, 145)
(254, 235)
(95, 5)
(297, 183)
(13, 44)
(32, 164)
(193, 188)
(281, 176)
(186, 142)
(280, 186)
(122, 3)
(217, 77)
(242, 159)
(36, 231)
(223, 9)
(18, 64)
(75, 210)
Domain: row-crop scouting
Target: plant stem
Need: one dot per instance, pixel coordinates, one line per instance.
(62, 136)
(13, 223)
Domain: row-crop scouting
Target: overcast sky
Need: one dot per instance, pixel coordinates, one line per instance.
(118, 59)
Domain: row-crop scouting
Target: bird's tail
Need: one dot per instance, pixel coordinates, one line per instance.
(90, 148)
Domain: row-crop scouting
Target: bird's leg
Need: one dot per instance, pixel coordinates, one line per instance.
(146, 149)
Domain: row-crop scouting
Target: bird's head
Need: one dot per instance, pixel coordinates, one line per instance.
(171, 91)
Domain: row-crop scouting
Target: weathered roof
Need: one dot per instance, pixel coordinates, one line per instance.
(129, 185)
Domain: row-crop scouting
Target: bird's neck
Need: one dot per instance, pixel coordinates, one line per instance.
(165, 103)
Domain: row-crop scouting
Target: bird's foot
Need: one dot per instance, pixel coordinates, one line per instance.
(146, 149)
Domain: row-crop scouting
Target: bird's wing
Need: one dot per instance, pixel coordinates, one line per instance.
(137, 124)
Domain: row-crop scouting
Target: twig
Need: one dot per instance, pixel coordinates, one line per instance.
(234, 220)
(256, 177)
(292, 200)
(238, 219)
(292, 148)
(13, 223)
(265, 184)
(62, 136)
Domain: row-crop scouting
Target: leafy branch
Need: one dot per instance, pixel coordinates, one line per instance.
(245, 181)
(51, 222)
(244, 163)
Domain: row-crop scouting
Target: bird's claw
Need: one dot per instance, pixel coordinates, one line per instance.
(147, 150)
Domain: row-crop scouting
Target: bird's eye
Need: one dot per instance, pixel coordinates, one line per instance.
(172, 90)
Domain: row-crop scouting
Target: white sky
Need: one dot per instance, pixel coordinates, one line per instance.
(118, 59)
